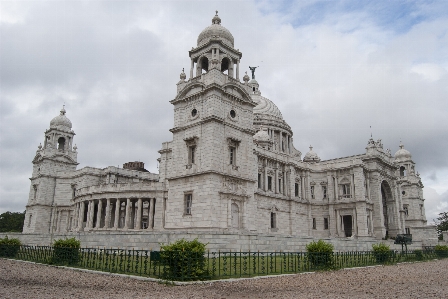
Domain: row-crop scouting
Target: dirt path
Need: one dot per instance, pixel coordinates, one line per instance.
(418, 280)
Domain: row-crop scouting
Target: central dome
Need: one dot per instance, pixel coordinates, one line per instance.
(216, 30)
(266, 107)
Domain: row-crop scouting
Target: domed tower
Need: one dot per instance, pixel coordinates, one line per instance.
(411, 189)
(210, 160)
(56, 155)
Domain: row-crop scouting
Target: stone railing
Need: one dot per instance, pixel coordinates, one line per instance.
(113, 188)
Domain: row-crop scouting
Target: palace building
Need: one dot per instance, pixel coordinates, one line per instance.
(230, 169)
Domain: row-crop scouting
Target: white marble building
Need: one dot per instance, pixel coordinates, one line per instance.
(231, 167)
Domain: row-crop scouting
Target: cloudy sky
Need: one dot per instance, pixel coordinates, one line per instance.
(334, 68)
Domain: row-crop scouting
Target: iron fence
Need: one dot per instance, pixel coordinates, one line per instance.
(184, 266)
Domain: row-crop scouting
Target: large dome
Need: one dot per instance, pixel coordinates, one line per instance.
(61, 121)
(216, 30)
(266, 107)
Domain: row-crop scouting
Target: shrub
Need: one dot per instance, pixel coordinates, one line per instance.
(183, 260)
(9, 247)
(418, 254)
(320, 254)
(381, 252)
(441, 250)
(66, 251)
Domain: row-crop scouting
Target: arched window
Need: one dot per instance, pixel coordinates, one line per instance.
(204, 65)
(402, 171)
(61, 143)
(225, 65)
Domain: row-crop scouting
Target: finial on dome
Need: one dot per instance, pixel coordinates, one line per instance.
(401, 144)
(311, 148)
(63, 110)
(216, 19)
(182, 75)
(75, 148)
(40, 146)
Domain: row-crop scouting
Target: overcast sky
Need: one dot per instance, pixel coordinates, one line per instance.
(334, 68)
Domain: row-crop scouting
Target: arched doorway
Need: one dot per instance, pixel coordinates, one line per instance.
(225, 65)
(202, 66)
(235, 214)
(387, 199)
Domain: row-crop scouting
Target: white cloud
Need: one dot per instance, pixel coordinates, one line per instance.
(332, 71)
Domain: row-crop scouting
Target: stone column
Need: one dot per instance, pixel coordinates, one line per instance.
(82, 208)
(67, 221)
(276, 185)
(117, 213)
(280, 134)
(336, 188)
(139, 214)
(91, 213)
(127, 217)
(107, 217)
(368, 189)
(355, 222)
(191, 69)
(151, 213)
(76, 216)
(265, 181)
(98, 214)
(302, 182)
(352, 186)
(238, 69)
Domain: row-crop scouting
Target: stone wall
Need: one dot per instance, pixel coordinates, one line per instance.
(216, 240)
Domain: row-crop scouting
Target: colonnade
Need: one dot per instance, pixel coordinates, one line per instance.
(115, 213)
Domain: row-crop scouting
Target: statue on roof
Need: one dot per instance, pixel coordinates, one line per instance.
(252, 69)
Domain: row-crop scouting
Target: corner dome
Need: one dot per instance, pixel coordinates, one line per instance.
(402, 154)
(216, 30)
(311, 156)
(262, 136)
(61, 121)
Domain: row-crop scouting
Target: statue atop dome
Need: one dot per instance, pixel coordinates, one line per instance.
(252, 69)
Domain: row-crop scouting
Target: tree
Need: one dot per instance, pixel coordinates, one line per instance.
(12, 221)
(442, 224)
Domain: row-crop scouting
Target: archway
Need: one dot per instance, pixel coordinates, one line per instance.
(225, 63)
(61, 143)
(202, 66)
(386, 196)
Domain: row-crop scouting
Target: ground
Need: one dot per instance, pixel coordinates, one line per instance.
(416, 280)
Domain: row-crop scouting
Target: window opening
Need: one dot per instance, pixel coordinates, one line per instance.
(346, 189)
(269, 183)
(279, 185)
(325, 223)
(312, 192)
(29, 220)
(259, 180)
(191, 154)
(314, 223)
(408, 230)
(296, 189)
(194, 112)
(273, 220)
(402, 171)
(324, 191)
(188, 203)
(406, 210)
(61, 143)
(232, 113)
(232, 155)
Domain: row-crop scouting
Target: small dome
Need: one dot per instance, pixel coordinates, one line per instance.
(215, 29)
(262, 136)
(311, 156)
(61, 121)
(402, 154)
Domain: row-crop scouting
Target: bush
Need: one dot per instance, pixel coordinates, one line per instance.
(183, 260)
(66, 251)
(381, 252)
(320, 254)
(418, 254)
(9, 247)
(441, 250)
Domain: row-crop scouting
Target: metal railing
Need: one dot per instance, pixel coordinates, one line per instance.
(185, 266)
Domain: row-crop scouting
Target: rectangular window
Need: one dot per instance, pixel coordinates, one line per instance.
(408, 230)
(259, 180)
(312, 192)
(273, 220)
(296, 189)
(346, 189)
(188, 203)
(314, 223)
(324, 191)
(325, 223)
(279, 185)
(269, 183)
(232, 155)
(29, 220)
(191, 154)
(421, 210)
